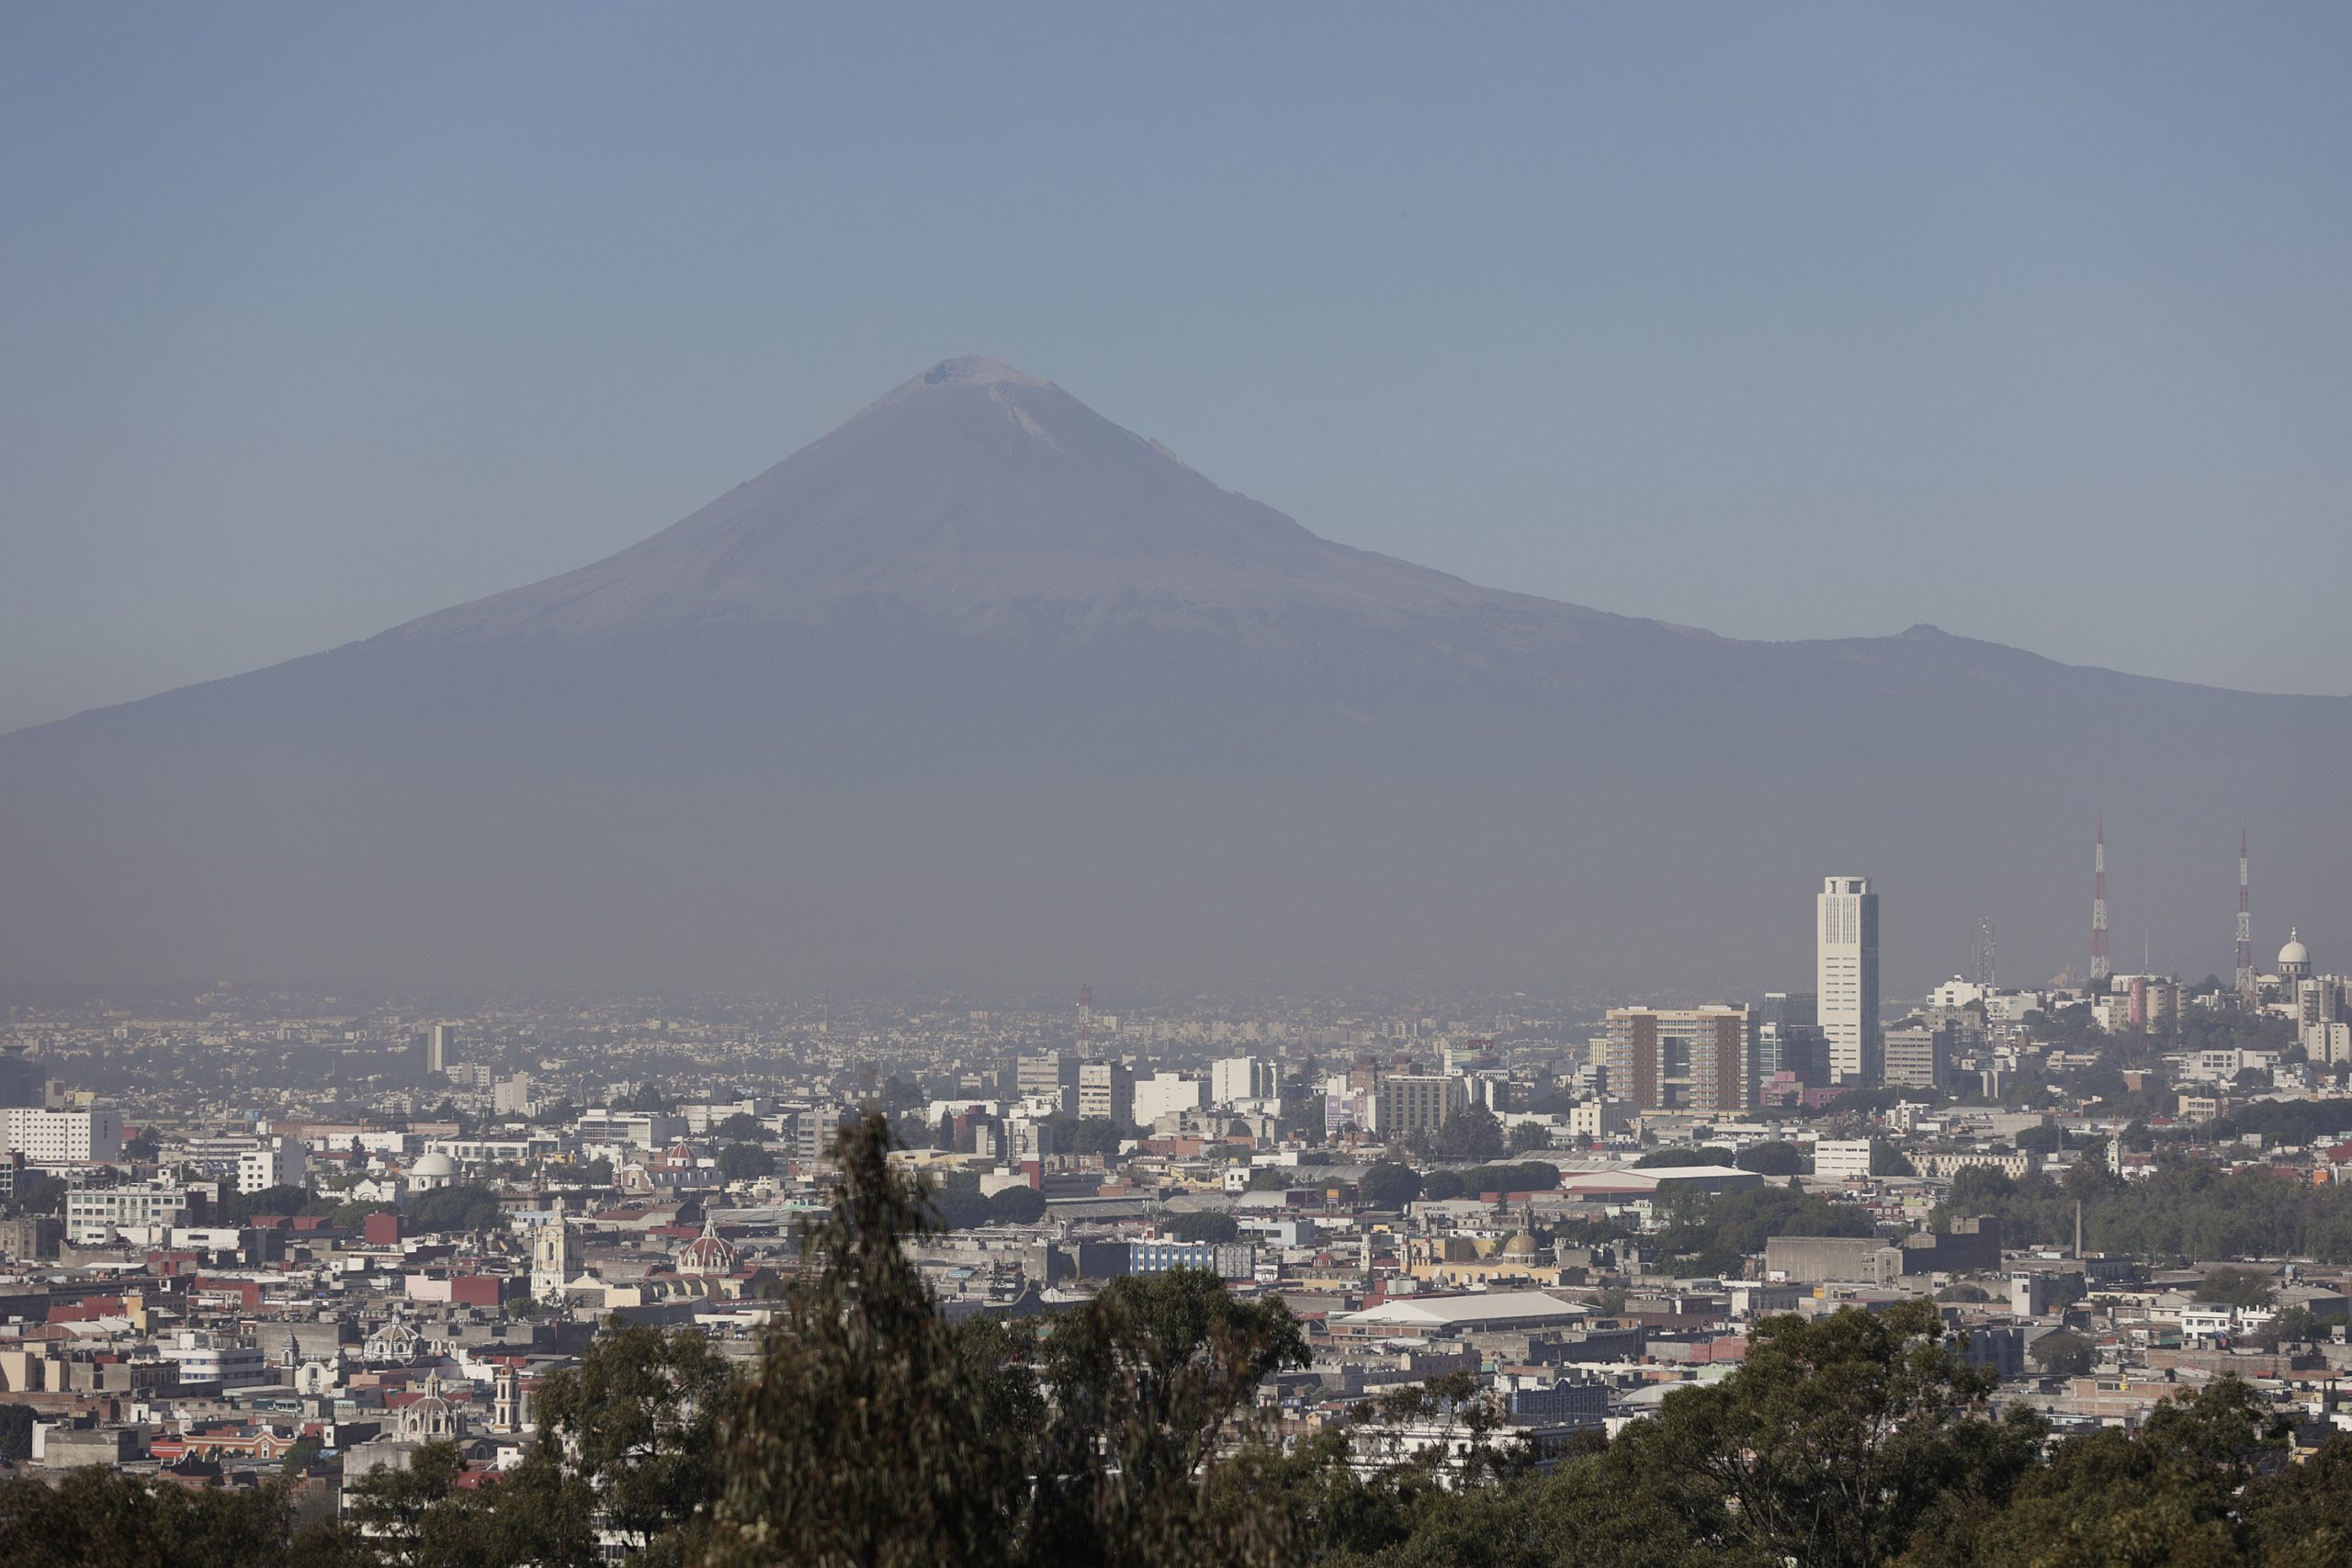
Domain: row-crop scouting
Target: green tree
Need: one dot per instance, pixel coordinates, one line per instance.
(1147, 1385)
(1473, 1133)
(460, 1208)
(1442, 1186)
(875, 1433)
(636, 1428)
(1202, 1224)
(744, 1162)
(741, 1128)
(238, 1207)
(1771, 1159)
(1017, 1206)
(2173, 1493)
(2238, 1288)
(1837, 1437)
(38, 1192)
(1888, 1160)
(17, 1422)
(1526, 1137)
(2062, 1355)
(96, 1518)
(1391, 1184)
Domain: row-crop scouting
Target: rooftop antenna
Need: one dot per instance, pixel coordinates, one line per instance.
(2099, 964)
(2245, 929)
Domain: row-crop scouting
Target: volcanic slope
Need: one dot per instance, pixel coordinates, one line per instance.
(982, 685)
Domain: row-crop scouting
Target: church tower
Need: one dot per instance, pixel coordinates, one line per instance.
(552, 1260)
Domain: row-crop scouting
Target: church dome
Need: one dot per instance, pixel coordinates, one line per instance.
(433, 1164)
(1520, 1245)
(2294, 953)
(708, 1253)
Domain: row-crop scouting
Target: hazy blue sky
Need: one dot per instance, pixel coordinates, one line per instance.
(2032, 321)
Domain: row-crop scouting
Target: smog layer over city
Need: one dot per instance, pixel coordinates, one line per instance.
(1039, 785)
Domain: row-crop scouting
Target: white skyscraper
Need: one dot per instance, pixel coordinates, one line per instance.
(1845, 977)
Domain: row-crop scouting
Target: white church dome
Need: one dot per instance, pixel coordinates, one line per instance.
(433, 1164)
(2294, 951)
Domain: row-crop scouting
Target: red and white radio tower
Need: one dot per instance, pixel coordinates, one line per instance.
(2100, 967)
(2245, 929)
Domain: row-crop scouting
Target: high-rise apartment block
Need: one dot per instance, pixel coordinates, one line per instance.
(1919, 1056)
(1050, 1076)
(1788, 1035)
(1682, 1058)
(1411, 1103)
(1236, 1078)
(61, 1137)
(440, 1047)
(1845, 978)
(1106, 1089)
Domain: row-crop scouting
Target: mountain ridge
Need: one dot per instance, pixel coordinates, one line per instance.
(924, 693)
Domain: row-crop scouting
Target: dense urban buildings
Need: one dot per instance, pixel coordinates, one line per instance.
(247, 1225)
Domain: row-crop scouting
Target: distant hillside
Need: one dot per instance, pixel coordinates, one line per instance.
(982, 685)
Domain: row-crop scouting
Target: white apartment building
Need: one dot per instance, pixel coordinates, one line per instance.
(209, 1358)
(1234, 1080)
(1845, 977)
(61, 1137)
(1163, 1094)
(511, 1097)
(272, 1162)
(94, 1215)
(1842, 1159)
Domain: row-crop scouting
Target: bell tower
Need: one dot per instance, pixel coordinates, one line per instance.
(552, 1259)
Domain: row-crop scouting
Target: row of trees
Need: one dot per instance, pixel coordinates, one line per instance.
(1136, 1431)
(2187, 1207)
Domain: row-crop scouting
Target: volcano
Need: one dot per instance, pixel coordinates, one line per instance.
(981, 686)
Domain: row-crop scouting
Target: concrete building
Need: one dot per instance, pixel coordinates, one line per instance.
(1788, 1036)
(1105, 1089)
(1918, 1057)
(1683, 1059)
(1842, 1260)
(440, 1047)
(275, 1162)
(511, 1097)
(1842, 1159)
(1845, 977)
(1411, 1103)
(94, 1215)
(1234, 1080)
(1050, 1076)
(61, 1137)
(1165, 1094)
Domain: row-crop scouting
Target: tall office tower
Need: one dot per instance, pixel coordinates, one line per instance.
(440, 1040)
(1788, 1032)
(2100, 965)
(1683, 1058)
(1845, 978)
(2246, 990)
